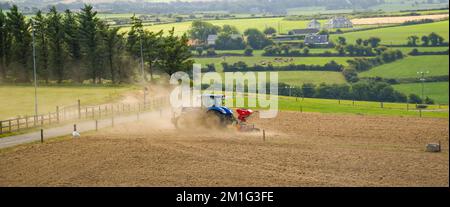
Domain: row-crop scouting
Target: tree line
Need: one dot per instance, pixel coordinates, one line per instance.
(432, 39)
(368, 90)
(79, 46)
(228, 37)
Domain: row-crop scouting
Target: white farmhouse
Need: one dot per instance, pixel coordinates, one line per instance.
(339, 22)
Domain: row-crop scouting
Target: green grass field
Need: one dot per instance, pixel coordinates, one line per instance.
(438, 91)
(257, 60)
(279, 23)
(359, 108)
(405, 50)
(19, 100)
(241, 24)
(298, 78)
(260, 52)
(399, 35)
(437, 65)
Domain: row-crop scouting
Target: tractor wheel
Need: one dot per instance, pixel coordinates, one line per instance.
(181, 122)
(215, 120)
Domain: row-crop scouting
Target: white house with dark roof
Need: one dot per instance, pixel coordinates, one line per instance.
(314, 24)
(339, 22)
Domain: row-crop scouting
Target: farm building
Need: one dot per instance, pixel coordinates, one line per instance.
(314, 24)
(194, 42)
(316, 39)
(303, 31)
(339, 22)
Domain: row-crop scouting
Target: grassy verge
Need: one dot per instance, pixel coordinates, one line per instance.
(19, 100)
(358, 108)
(408, 67)
(438, 91)
(398, 35)
(250, 61)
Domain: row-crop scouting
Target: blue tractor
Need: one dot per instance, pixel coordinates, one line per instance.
(211, 114)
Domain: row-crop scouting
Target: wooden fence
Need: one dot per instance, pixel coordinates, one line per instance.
(79, 112)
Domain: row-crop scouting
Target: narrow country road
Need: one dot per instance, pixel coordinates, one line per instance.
(82, 126)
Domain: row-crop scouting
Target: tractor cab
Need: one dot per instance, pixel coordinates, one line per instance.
(215, 103)
(211, 100)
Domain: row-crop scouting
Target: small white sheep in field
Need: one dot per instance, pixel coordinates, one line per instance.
(75, 133)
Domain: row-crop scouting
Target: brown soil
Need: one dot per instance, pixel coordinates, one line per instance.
(396, 20)
(306, 149)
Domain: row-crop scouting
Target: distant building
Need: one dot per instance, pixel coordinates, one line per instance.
(339, 22)
(211, 39)
(314, 24)
(303, 31)
(316, 39)
(194, 42)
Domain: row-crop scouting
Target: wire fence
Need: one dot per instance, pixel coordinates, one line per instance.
(79, 112)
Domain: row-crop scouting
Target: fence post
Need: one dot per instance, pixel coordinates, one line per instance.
(42, 120)
(9, 122)
(420, 112)
(79, 109)
(381, 104)
(26, 121)
(112, 116)
(264, 135)
(57, 114)
(42, 135)
(18, 124)
(96, 125)
(1, 127)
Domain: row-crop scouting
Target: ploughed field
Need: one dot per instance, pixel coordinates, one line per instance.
(301, 149)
